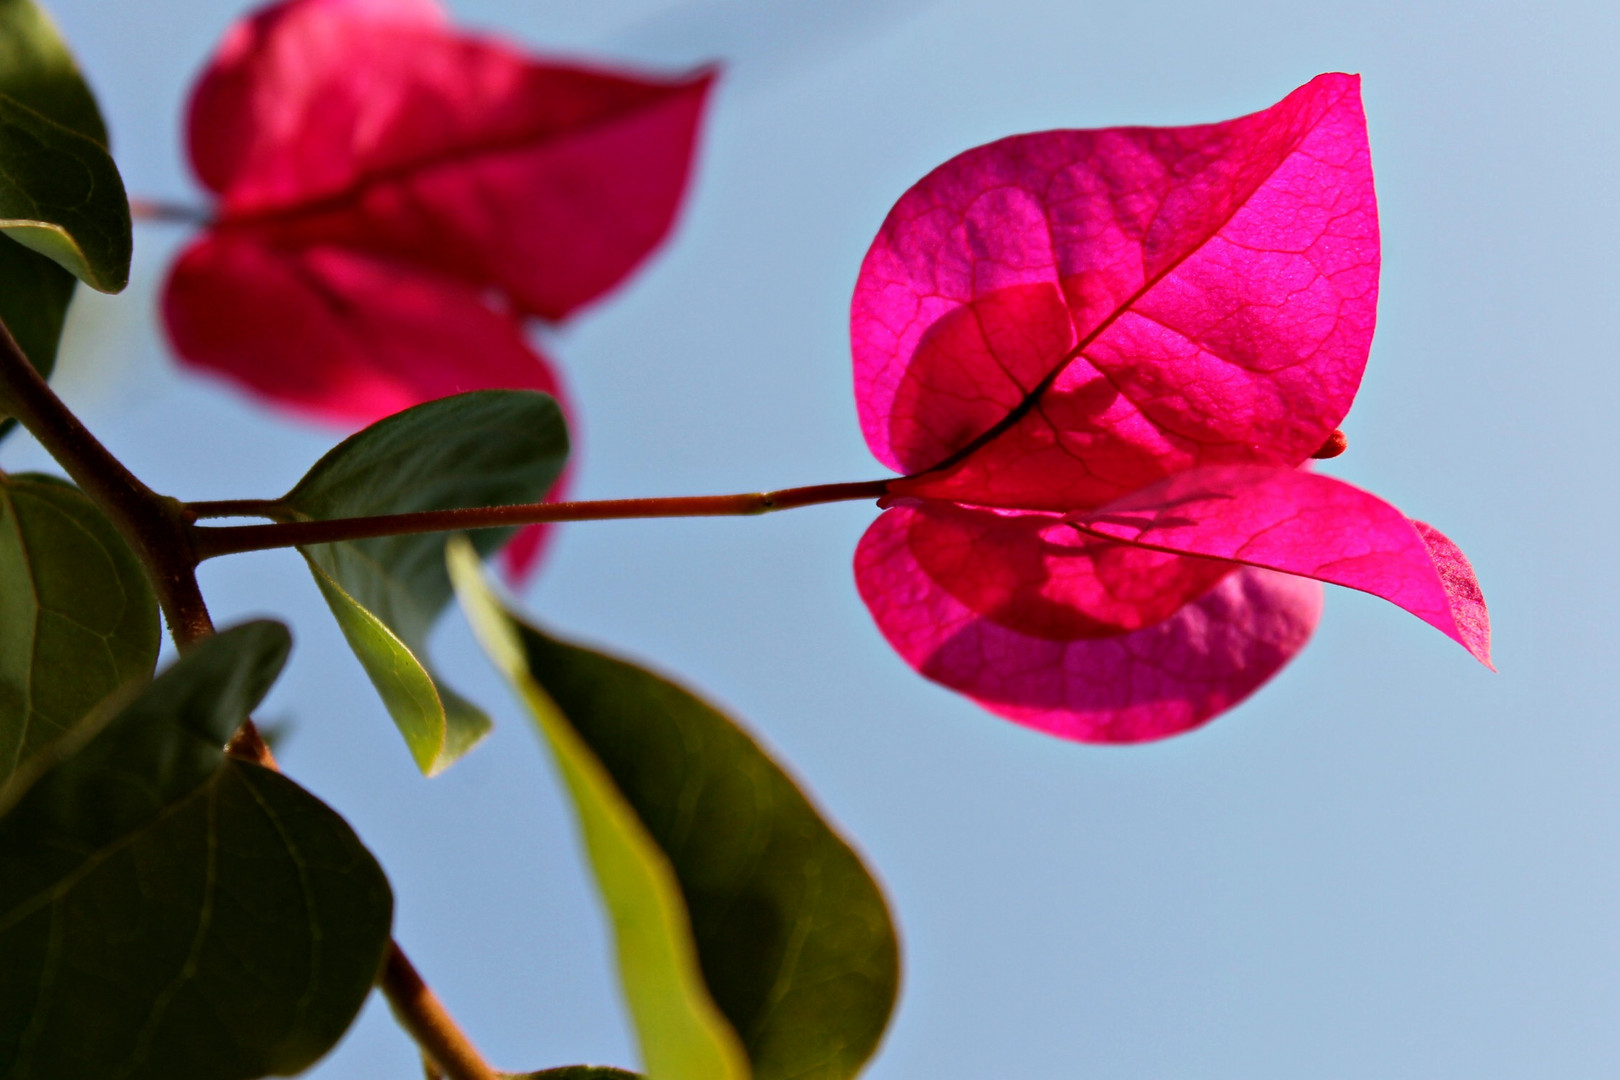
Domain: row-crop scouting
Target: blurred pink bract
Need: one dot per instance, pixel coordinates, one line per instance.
(394, 198)
(1101, 358)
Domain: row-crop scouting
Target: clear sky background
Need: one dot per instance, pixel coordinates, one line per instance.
(1389, 863)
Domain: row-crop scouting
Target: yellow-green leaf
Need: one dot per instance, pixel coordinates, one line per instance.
(744, 923)
(485, 448)
(438, 725)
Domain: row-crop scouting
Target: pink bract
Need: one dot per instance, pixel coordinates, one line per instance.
(1131, 687)
(374, 126)
(1301, 523)
(395, 198)
(340, 335)
(1102, 359)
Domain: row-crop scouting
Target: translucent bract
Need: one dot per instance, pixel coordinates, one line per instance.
(395, 197)
(1102, 358)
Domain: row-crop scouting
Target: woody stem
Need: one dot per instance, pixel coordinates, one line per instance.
(156, 527)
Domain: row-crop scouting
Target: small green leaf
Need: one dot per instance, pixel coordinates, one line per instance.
(77, 616)
(439, 726)
(486, 448)
(727, 890)
(168, 913)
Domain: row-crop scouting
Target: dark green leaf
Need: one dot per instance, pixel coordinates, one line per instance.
(486, 448)
(77, 616)
(34, 298)
(60, 193)
(167, 913)
(37, 70)
(791, 934)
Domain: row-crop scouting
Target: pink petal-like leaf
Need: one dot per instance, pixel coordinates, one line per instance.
(373, 126)
(339, 335)
(1036, 574)
(1066, 316)
(1304, 523)
(1155, 682)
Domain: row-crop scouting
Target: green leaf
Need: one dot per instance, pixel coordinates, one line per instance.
(34, 298)
(728, 892)
(486, 448)
(578, 1072)
(168, 913)
(61, 198)
(37, 71)
(61, 195)
(77, 616)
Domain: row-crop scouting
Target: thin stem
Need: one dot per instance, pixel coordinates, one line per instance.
(212, 540)
(161, 210)
(421, 1013)
(155, 526)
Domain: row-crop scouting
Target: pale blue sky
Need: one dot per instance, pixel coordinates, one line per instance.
(1389, 863)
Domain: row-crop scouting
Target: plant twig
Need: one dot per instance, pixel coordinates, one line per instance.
(212, 540)
(421, 1013)
(161, 210)
(156, 527)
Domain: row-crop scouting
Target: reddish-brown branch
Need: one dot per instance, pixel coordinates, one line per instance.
(212, 540)
(156, 527)
(421, 1013)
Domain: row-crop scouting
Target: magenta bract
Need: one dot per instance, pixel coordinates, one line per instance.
(394, 198)
(1101, 358)
(374, 126)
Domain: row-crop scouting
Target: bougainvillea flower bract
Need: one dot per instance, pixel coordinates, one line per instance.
(395, 197)
(1102, 359)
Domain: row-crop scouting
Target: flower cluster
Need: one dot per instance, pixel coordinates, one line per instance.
(1104, 360)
